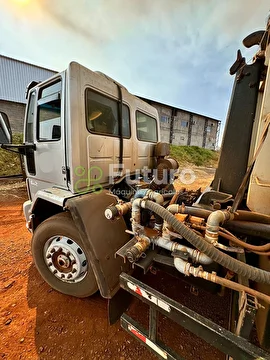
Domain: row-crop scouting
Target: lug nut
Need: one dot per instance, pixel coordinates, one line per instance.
(62, 276)
(74, 270)
(52, 250)
(54, 271)
(69, 276)
(60, 249)
(68, 253)
(73, 262)
(48, 256)
(50, 264)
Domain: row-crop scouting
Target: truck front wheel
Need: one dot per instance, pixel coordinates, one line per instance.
(60, 258)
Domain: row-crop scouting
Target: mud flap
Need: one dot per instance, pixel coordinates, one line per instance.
(118, 305)
(101, 238)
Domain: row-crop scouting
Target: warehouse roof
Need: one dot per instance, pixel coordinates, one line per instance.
(153, 102)
(15, 75)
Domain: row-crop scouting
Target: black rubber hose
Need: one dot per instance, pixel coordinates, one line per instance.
(202, 245)
(167, 195)
(190, 210)
(249, 228)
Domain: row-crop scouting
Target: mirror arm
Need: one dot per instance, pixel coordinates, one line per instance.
(18, 149)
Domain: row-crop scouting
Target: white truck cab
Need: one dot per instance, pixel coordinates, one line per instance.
(73, 120)
(84, 135)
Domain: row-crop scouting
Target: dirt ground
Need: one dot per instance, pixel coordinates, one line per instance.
(37, 322)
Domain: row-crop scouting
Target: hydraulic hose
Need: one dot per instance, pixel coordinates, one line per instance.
(244, 215)
(199, 243)
(241, 215)
(187, 269)
(193, 253)
(234, 239)
(136, 205)
(249, 228)
(190, 210)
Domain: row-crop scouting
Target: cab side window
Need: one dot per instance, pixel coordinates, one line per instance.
(49, 113)
(103, 113)
(146, 127)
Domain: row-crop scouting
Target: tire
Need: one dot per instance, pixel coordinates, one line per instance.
(60, 258)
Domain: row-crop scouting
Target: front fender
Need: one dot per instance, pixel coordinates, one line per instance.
(101, 238)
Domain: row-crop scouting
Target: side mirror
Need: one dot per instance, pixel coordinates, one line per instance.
(5, 129)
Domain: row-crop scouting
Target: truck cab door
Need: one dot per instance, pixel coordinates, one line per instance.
(44, 127)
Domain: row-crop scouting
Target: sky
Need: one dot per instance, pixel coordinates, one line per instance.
(174, 51)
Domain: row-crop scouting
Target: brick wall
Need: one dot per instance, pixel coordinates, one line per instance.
(15, 113)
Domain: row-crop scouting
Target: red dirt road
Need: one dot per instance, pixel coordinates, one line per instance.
(39, 323)
(36, 322)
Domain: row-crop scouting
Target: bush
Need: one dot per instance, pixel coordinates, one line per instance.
(194, 155)
(9, 161)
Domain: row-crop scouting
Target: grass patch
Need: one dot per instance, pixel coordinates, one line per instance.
(9, 161)
(194, 155)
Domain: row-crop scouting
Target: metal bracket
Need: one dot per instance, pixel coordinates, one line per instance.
(180, 254)
(248, 308)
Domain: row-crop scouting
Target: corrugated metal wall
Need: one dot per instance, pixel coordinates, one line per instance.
(16, 75)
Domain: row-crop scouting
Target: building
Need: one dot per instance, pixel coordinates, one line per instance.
(182, 127)
(15, 75)
(178, 126)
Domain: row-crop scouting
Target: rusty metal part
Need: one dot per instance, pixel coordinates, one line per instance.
(123, 208)
(211, 237)
(151, 232)
(199, 272)
(196, 220)
(163, 173)
(262, 253)
(181, 217)
(239, 287)
(136, 207)
(115, 211)
(261, 249)
(137, 250)
(230, 248)
(213, 222)
(176, 196)
(229, 275)
(234, 239)
(248, 309)
(174, 234)
(65, 259)
(189, 198)
(136, 215)
(168, 163)
(162, 149)
(175, 247)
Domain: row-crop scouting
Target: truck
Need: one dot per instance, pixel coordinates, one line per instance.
(103, 209)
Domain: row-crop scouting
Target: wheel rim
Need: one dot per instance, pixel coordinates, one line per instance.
(65, 259)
